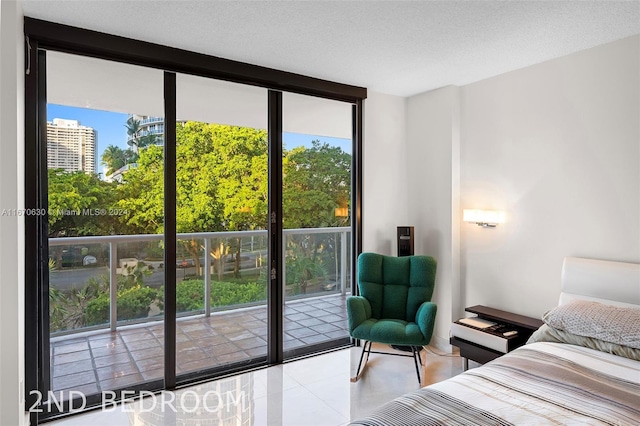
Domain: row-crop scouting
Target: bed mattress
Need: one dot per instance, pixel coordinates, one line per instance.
(540, 383)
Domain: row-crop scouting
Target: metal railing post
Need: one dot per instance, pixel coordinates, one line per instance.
(343, 262)
(207, 277)
(113, 285)
(113, 240)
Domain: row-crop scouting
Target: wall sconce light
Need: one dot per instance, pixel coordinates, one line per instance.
(484, 218)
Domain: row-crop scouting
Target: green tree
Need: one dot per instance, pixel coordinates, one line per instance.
(142, 194)
(316, 181)
(146, 140)
(221, 181)
(75, 199)
(133, 131)
(222, 185)
(115, 158)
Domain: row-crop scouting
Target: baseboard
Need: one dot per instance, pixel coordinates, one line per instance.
(442, 345)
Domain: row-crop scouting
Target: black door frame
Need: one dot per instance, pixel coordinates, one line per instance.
(170, 238)
(41, 36)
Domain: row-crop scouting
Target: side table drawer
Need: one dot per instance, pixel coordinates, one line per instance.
(491, 341)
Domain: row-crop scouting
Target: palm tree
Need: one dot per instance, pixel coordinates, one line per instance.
(144, 141)
(113, 158)
(133, 129)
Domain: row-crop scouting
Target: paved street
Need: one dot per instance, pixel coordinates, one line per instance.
(68, 278)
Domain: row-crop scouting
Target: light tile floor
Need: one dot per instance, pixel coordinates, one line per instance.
(311, 391)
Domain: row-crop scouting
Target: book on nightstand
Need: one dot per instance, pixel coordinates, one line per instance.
(490, 336)
(493, 329)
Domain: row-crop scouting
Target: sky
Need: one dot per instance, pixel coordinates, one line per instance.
(112, 131)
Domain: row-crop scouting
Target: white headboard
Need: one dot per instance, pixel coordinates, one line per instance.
(615, 283)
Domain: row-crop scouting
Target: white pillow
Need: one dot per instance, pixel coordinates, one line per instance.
(609, 323)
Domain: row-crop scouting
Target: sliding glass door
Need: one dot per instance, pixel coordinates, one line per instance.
(316, 200)
(104, 157)
(221, 211)
(187, 227)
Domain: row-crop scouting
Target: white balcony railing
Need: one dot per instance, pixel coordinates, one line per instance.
(340, 258)
(151, 120)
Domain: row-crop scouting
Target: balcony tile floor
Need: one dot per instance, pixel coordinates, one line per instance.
(109, 360)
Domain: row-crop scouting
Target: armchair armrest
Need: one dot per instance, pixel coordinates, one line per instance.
(358, 311)
(426, 318)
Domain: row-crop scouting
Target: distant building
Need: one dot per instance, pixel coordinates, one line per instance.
(149, 126)
(70, 146)
(117, 175)
(150, 131)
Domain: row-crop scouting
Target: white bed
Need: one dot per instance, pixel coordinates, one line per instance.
(547, 382)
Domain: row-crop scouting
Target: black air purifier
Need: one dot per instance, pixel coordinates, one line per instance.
(405, 240)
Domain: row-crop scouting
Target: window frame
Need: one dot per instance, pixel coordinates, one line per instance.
(41, 36)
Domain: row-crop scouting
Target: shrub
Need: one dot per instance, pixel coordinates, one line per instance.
(190, 294)
(301, 271)
(97, 311)
(67, 310)
(226, 293)
(133, 302)
(57, 309)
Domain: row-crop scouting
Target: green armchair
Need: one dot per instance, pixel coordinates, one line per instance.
(394, 306)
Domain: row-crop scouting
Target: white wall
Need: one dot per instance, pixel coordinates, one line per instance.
(385, 172)
(411, 177)
(11, 227)
(433, 161)
(557, 146)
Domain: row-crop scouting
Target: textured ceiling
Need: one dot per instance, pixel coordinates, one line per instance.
(393, 47)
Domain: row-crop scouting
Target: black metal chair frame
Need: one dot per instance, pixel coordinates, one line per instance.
(415, 354)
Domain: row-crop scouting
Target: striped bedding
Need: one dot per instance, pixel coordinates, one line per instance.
(538, 384)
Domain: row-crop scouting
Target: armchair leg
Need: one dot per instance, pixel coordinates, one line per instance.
(360, 365)
(416, 359)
